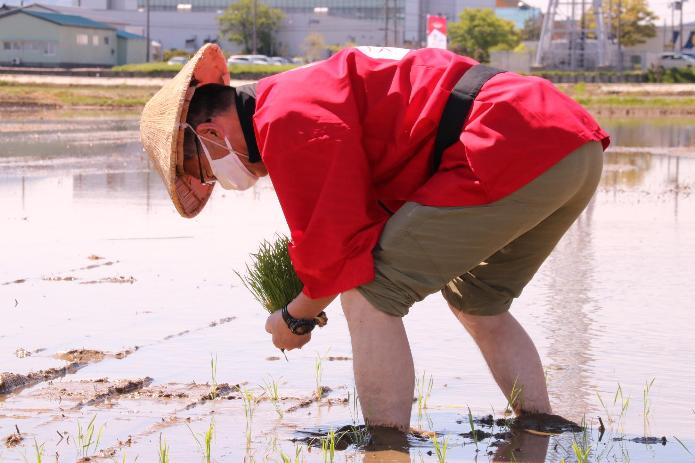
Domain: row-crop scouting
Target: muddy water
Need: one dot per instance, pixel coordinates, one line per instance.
(94, 258)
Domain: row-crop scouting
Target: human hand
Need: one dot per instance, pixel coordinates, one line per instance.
(283, 338)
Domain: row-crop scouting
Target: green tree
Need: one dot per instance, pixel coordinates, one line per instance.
(314, 47)
(633, 17)
(236, 25)
(478, 31)
(532, 28)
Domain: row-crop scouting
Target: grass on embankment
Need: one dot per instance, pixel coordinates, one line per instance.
(62, 96)
(257, 70)
(132, 97)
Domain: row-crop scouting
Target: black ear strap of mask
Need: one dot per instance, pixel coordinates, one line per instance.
(458, 107)
(245, 99)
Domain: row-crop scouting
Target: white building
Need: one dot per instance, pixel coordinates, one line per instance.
(365, 22)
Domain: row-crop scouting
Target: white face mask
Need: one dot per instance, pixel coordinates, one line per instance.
(229, 171)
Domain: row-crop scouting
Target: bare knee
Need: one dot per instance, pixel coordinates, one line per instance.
(358, 309)
(481, 324)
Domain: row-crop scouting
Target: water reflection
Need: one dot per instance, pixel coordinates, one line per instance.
(656, 132)
(607, 299)
(568, 320)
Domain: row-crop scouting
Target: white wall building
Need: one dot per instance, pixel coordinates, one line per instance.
(176, 24)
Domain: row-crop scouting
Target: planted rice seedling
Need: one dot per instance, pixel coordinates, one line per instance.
(163, 450)
(271, 388)
(472, 425)
(515, 398)
(581, 453)
(440, 448)
(424, 389)
(213, 374)
(297, 456)
(609, 417)
(646, 404)
(328, 446)
(318, 372)
(249, 402)
(206, 445)
(87, 439)
(354, 405)
(38, 451)
(624, 401)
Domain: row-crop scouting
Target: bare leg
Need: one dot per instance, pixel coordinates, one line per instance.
(512, 358)
(383, 364)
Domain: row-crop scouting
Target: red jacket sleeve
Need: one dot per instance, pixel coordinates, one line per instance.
(321, 174)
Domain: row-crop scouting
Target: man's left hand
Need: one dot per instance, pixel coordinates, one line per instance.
(283, 338)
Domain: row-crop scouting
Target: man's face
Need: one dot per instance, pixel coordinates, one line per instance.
(213, 134)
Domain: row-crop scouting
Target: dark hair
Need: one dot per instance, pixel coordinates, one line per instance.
(207, 102)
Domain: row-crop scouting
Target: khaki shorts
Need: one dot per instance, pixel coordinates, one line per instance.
(480, 257)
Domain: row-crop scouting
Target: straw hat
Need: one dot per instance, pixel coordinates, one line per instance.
(161, 127)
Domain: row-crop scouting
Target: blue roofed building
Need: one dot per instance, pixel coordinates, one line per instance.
(31, 37)
(516, 11)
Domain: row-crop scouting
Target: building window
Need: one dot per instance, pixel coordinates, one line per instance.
(49, 48)
(106, 40)
(95, 40)
(82, 39)
(7, 45)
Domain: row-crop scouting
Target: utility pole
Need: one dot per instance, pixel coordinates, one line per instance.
(673, 26)
(680, 31)
(255, 35)
(147, 30)
(619, 31)
(386, 23)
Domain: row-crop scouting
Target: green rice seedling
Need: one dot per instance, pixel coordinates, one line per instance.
(249, 402)
(206, 445)
(318, 370)
(271, 277)
(271, 388)
(440, 448)
(424, 389)
(360, 436)
(646, 404)
(683, 445)
(515, 398)
(354, 406)
(472, 425)
(624, 401)
(38, 451)
(87, 439)
(328, 446)
(582, 454)
(213, 374)
(163, 450)
(609, 417)
(297, 456)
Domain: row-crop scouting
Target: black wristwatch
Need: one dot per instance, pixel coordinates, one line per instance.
(301, 326)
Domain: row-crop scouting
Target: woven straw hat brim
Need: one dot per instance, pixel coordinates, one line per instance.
(161, 127)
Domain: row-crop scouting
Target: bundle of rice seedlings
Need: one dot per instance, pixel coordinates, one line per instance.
(271, 278)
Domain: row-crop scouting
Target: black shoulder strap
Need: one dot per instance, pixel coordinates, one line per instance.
(458, 106)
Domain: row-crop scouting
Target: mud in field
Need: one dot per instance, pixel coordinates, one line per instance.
(165, 345)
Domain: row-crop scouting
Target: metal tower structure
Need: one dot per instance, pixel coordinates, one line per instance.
(573, 36)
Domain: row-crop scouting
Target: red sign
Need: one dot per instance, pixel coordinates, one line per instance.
(436, 23)
(436, 31)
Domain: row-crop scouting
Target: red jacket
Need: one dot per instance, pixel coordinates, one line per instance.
(352, 136)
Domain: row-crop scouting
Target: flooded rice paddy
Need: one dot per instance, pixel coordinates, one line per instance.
(119, 317)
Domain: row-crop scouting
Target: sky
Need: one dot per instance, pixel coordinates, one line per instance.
(660, 7)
